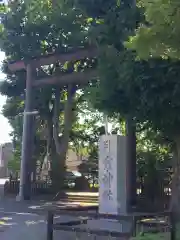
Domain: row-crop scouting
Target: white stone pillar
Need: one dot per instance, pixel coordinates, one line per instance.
(113, 175)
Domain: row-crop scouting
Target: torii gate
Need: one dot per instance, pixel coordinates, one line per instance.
(28, 121)
(29, 112)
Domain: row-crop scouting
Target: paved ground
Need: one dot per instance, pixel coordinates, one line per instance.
(22, 226)
(27, 220)
(15, 226)
(16, 222)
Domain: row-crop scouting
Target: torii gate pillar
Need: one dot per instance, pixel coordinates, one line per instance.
(27, 140)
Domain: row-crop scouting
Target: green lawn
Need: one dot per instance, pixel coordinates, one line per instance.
(151, 236)
(157, 236)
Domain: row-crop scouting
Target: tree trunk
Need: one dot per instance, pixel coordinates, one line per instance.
(61, 143)
(51, 153)
(52, 156)
(56, 113)
(131, 142)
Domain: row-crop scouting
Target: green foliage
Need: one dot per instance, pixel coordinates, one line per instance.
(148, 91)
(151, 236)
(14, 163)
(154, 160)
(85, 136)
(23, 39)
(31, 29)
(159, 36)
(97, 8)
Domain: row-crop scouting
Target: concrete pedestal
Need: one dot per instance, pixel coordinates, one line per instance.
(110, 225)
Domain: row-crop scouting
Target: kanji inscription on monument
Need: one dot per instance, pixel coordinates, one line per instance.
(107, 178)
(106, 173)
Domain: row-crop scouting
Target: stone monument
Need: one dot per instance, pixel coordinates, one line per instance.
(113, 184)
(113, 175)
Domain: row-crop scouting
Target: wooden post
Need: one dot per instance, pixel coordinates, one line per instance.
(172, 226)
(131, 152)
(50, 225)
(131, 135)
(27, 140)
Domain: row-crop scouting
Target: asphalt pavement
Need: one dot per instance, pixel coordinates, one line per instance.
(27, 220)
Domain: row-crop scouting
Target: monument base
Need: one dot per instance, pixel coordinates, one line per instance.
(120, 226)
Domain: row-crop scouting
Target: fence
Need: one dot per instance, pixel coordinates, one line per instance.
(118, 227)
(39, 187)
(80, 227)
(154, 197)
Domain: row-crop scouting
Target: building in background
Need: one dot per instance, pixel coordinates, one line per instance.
(6, 154)
(73, 160)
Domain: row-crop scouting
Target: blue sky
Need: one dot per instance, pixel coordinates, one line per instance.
(5, 128)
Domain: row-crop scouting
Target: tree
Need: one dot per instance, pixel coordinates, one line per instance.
(154, 167)
(11, 112)
(14, 163)
(23, 38)
(85, 138)
(160, 31)
(85, 141)
(148, 91)
(161, 35)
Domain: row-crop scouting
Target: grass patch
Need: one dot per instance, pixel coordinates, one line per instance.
(152, 236)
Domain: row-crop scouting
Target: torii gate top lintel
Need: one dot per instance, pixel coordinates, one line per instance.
(53, 58)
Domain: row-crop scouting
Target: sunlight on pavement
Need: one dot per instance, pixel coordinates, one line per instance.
(22, 213)
(22, 226)
(93, 194)
(6, 218)
(35, 207)
(7, 224)
(4, 222)
(28, 223)
(83, 204)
